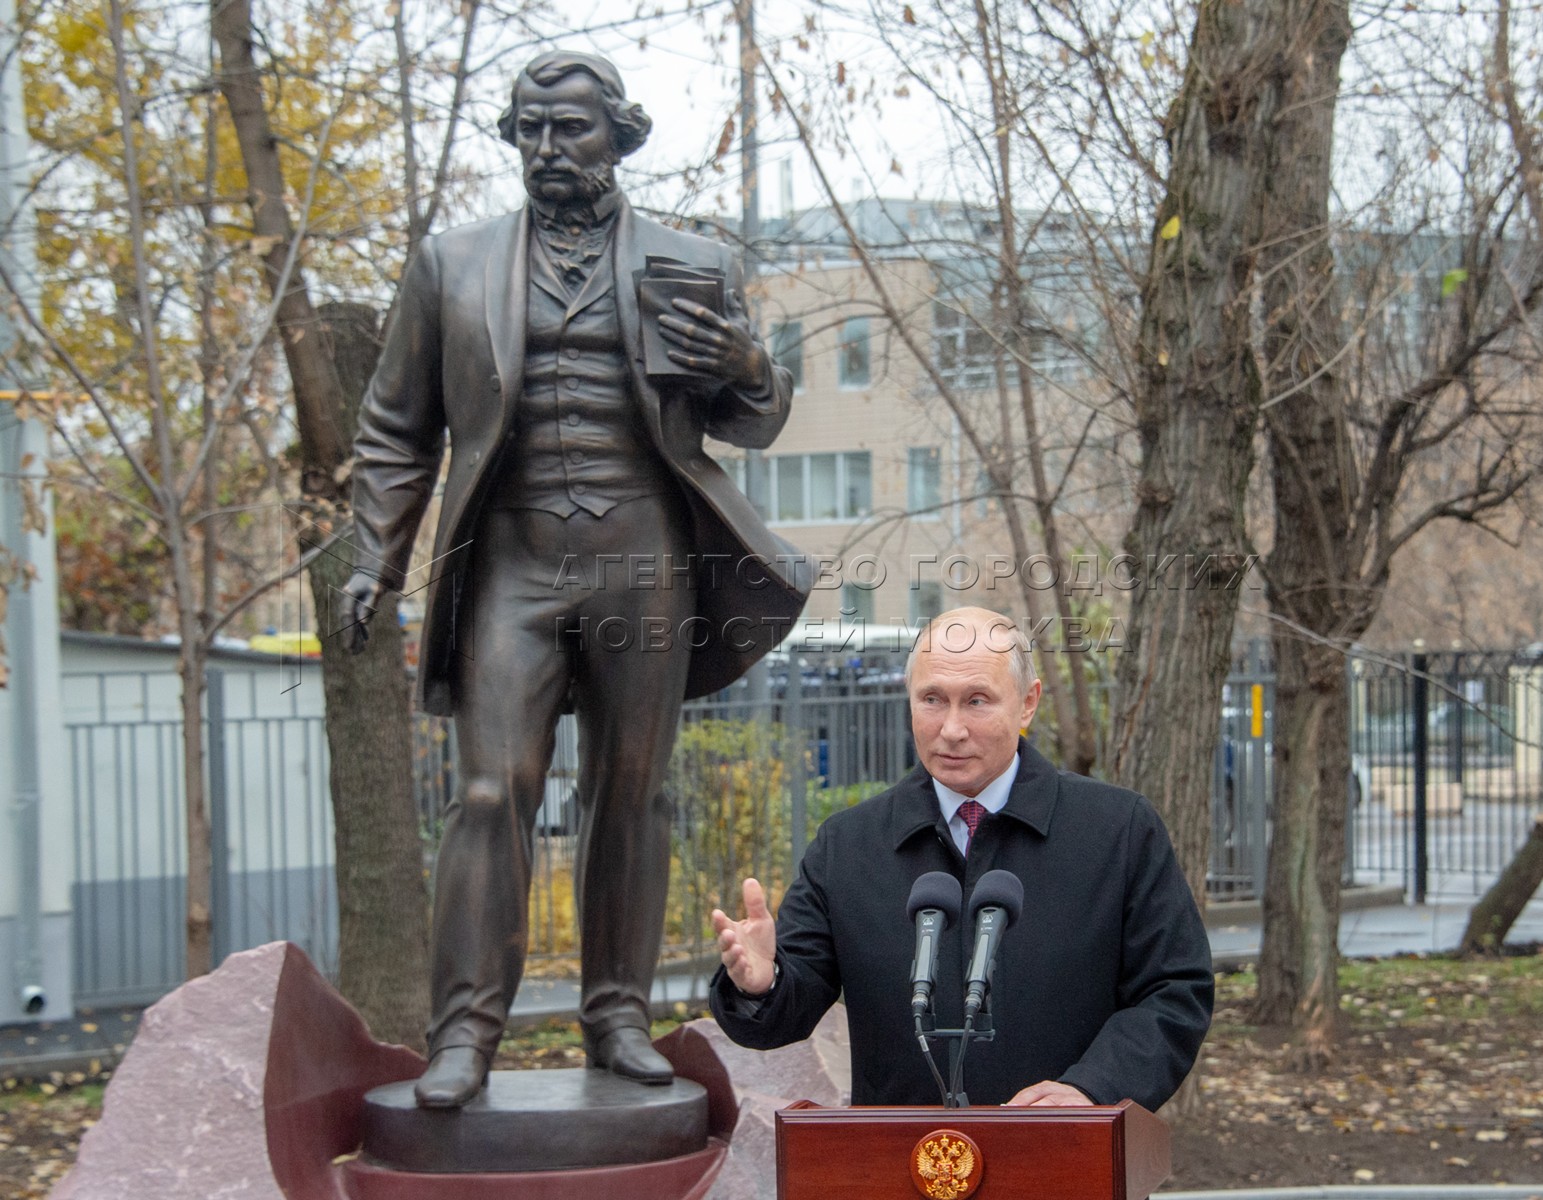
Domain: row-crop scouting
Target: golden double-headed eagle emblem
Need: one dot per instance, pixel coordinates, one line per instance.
(947, 1165)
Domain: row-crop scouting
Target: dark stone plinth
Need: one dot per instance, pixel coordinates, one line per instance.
(689, 1177)
(537, 1121)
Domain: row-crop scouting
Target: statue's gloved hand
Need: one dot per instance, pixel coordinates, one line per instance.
(361, 597)
(705, 341)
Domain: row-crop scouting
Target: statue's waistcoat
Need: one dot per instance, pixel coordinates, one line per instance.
(579, 436)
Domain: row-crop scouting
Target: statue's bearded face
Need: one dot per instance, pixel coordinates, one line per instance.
(563, 132)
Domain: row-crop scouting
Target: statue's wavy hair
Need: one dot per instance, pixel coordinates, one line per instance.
(630, 125)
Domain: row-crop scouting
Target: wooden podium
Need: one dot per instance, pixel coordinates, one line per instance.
(1117, 1152)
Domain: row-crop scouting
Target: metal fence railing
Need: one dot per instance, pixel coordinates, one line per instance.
(1446, 756)
(271, 826)
(1243, 780)
(749, 782)
(128, 891)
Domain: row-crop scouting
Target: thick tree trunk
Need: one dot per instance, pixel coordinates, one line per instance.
(382, 897)
(1299, 962)
(1498, 908)
(1196, 410)
(383, 931)
(1197, 406)
(1316, 485)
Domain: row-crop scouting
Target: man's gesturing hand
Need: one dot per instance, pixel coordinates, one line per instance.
(748, 947)
(1049, 1094)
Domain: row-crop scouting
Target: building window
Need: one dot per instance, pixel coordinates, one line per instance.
(787, 349)
(824, 497)
(964, 351)
(853, 368)
(924, 480)
(788, 488)
(857, 484)
(856, 603)
(1051, 355)
(735, 469)
(821, 487)
(926, 601)
(752, 476)
(985, 493)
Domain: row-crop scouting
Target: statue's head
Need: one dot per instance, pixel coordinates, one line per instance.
(570, 119)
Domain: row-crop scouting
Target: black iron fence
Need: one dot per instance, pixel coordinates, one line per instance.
(1445, 757)
(1243, 780)
(1445, 779)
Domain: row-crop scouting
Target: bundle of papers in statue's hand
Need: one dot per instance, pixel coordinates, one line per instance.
(660, 283)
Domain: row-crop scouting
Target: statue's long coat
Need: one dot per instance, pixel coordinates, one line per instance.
(454, 360)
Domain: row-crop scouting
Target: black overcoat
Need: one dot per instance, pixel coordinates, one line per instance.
(454, 362)
(1104, 983)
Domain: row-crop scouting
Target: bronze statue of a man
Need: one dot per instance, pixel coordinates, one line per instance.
(589, 554)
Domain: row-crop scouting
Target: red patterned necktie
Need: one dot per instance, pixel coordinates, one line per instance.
(972, 811)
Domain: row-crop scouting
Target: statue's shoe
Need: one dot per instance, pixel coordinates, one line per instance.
(628, 1052)
(455, 1075)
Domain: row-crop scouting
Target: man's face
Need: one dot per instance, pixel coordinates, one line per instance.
(563, 133)
(965, 709)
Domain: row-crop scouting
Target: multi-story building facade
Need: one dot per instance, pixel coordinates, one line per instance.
(903, 377)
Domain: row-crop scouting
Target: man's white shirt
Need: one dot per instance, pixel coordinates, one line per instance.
(993, 798)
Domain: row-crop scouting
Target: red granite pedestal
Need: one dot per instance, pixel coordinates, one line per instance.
(243, 1084)
(248, 1084)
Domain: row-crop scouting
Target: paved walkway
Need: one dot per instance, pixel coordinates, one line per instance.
(1375, 923)
(1378, 930)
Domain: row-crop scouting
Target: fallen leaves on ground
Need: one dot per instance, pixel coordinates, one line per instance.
(1437, 1079)
(40, 1130)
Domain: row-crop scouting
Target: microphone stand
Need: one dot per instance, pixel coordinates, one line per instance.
(976, 1029)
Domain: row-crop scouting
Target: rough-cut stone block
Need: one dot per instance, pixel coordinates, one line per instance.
(819, 1069)
(242, 1085)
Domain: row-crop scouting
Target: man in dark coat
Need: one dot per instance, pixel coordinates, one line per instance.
(1102, 988)
(589, 554)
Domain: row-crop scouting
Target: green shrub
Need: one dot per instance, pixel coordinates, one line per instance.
(727, 780)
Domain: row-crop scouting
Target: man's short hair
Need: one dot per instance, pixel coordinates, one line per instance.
(1002, 633)
(629, 123)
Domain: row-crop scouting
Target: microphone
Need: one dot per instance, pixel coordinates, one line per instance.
(934, 905)
(994, 905)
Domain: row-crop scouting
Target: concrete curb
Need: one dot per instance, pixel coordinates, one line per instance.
(40, 1068)
(1410, 1191)
(1351, 899)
